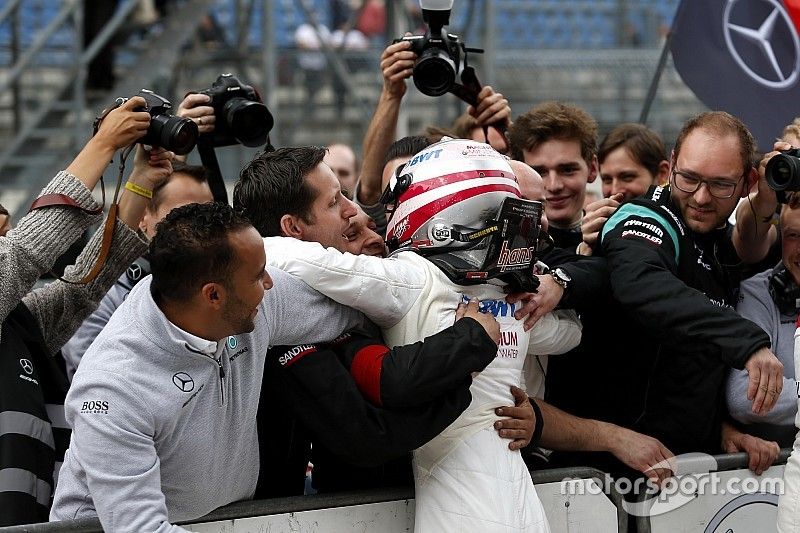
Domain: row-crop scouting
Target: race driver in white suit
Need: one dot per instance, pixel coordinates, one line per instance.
(460, 230)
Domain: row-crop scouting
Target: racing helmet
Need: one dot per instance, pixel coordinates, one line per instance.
(458, 204)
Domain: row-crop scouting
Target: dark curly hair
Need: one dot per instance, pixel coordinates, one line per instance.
(407, 147)
(191, 248)
(273, 184)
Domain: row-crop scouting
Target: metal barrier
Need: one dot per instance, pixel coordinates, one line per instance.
(714, 494)
(387, 510)
(711, 505)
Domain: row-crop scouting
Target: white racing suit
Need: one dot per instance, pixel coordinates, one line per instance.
(789, 501)
(466, 478)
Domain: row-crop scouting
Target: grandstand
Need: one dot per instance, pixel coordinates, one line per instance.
(600, 54)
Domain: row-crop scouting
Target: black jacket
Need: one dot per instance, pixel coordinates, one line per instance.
(362, 403)
(576, 381)
(31, 382)
(678, 288)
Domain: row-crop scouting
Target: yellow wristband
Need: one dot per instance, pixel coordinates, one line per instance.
(141, 191)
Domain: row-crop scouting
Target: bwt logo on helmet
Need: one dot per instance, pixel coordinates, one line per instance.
(424, 156)
(515, 257)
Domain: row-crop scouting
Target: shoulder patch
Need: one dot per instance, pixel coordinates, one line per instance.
(292, 355)
(639, 222)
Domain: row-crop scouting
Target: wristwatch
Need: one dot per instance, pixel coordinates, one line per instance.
(561, 277)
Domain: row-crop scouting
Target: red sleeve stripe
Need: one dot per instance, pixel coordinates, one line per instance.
(366, 371)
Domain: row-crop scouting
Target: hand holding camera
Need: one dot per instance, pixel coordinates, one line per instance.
(151, 168)
(123, 125)
(196, 107)
(167, 131)
(492, 109)
(397, 65)
(781, 168)
(441, 57)
(229, 112)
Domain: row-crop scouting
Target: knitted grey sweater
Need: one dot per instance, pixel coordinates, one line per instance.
(31, 249)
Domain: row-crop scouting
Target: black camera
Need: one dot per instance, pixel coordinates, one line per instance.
(441, 59)
(783, 171)
(241, 118)
(173, 133)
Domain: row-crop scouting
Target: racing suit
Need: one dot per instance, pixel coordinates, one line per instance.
(466, 478)
(678, 287)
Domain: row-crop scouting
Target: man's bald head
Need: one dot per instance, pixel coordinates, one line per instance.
(531, 184)
(342, 160)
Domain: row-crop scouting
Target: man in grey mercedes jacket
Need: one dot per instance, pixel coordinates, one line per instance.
(163, 405)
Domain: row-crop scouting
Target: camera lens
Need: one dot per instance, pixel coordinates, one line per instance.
(434, 72)
(783, 173)
(173, 133)
(250, 122)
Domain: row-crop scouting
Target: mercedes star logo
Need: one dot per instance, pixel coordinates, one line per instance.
(762, 36)
(26, 365)
(134, 272)
(183, 381)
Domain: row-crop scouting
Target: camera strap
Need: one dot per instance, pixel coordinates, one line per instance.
(469, 87)
(208, 157)
(468, 90)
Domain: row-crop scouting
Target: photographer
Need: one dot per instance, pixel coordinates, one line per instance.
(397, 62)
(756, 230)
(36, 323)
(770, 300)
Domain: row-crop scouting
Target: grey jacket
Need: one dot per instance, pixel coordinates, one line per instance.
(76, 346)
(162, 433)
(756, 304)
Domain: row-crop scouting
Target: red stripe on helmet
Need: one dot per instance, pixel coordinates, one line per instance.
(366, 371)
(427, 211)
(426, 185)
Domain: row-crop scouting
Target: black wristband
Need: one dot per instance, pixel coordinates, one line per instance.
(538, 426)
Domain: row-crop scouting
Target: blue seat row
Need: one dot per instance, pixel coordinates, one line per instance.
(520, 24)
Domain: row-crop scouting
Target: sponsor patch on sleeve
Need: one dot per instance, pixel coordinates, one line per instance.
(294, 354)
(640, 229)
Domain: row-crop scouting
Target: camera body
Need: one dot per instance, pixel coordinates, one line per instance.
(172, 133)
(241, 118)
(441, 64)
(440, 61)
(783, 171)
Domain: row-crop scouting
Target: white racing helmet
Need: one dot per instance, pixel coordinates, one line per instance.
(458, 204)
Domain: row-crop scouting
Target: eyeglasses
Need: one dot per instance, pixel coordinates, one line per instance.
(719, 188)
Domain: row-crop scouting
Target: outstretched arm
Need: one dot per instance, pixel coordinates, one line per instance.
(755, 231)
(31, 249)
(566, 432)
(397, 62)
(60, 307)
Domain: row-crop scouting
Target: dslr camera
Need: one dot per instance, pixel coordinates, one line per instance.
(783, 171)
(241, 118)
(173, 133)
(441, 57)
